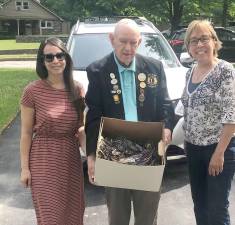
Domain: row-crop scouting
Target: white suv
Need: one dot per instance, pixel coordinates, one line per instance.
(89, 41)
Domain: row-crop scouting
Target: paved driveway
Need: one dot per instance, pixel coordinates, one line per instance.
(17, 64)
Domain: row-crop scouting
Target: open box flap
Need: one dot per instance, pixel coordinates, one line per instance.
(141, 131)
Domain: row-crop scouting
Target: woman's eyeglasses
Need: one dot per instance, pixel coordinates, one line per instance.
(50, 57)
(203, 40)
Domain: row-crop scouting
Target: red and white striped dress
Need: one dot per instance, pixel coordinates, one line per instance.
(55, 162)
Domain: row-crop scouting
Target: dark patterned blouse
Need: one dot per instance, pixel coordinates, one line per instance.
(210, 105)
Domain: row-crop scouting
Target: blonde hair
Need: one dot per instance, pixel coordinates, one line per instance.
(202, 24)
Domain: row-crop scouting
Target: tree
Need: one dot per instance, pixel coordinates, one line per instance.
(227, 14)
(165, 13)
(175, 9)
(168, 12)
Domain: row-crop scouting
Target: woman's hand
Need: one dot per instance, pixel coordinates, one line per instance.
(82, 138)
(25, 178)
(216, 163)
(217, 160)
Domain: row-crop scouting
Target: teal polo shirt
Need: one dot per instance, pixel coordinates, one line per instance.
(128, 86)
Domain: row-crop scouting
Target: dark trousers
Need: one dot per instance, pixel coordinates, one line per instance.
(210, 193)
(145, 205)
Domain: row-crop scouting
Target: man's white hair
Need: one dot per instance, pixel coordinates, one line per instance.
(126, 22)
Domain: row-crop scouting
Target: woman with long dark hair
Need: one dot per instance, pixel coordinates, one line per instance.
(51, 115)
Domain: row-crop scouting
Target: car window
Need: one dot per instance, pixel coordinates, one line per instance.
(87, 48)
(179, 35)
(224, 35)
(153, 45)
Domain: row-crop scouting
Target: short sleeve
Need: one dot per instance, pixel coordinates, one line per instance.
(27, 98)
(80, 89)
(228, 96)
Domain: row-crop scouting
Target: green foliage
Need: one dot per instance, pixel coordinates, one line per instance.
(12, 83)
(12, 45)
(166, 13)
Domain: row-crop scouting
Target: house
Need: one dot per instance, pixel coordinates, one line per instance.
(29, 17)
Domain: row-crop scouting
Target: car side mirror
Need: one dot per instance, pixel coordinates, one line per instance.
(186, 60)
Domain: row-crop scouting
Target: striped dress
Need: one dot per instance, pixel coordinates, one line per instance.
(55, 162)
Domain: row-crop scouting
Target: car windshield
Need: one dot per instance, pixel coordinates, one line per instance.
(87, 48)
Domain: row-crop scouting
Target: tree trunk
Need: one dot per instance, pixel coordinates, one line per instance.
(225, 13)
(175, 12)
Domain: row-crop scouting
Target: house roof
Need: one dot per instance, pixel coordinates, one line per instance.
(39, 4)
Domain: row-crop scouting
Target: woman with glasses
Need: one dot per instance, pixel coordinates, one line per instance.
(51, 116)
(209, 114)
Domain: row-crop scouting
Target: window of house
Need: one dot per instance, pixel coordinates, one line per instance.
(25, 5)
(22, 5)
(47, 24)
(18, 5)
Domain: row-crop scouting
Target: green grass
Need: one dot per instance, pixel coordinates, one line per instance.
(12, 83)
(12, 45)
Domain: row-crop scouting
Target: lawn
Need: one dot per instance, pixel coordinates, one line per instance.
(12, 45)
(12, 83)
(21, 56)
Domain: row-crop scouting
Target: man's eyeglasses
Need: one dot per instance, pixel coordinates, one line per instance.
(50, 57)
(203, 40)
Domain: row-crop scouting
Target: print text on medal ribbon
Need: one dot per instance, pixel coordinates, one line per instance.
(152, 80)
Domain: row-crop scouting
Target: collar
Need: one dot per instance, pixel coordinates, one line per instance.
(122, 68)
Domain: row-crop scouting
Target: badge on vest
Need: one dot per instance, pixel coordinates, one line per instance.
(152, 80)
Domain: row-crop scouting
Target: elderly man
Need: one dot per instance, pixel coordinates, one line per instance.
(128, 86)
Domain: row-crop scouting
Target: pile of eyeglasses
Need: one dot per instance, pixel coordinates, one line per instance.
(122, 150)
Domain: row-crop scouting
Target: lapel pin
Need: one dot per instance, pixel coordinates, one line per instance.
(112, 75)
(152, 80)
(114, 81)
(116, 99)
(143, 85)
(115, 87)
(141, 77)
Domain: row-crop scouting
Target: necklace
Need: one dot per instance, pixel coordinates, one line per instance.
(200, 72)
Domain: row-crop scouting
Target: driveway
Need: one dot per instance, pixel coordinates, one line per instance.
(18, 64)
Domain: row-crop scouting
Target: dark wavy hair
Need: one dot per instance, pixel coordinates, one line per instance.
(74, 93)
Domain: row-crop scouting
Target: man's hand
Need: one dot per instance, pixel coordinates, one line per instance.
(167, 136)
(91, 168)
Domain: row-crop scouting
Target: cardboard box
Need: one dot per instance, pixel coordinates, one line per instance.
(115, 174)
